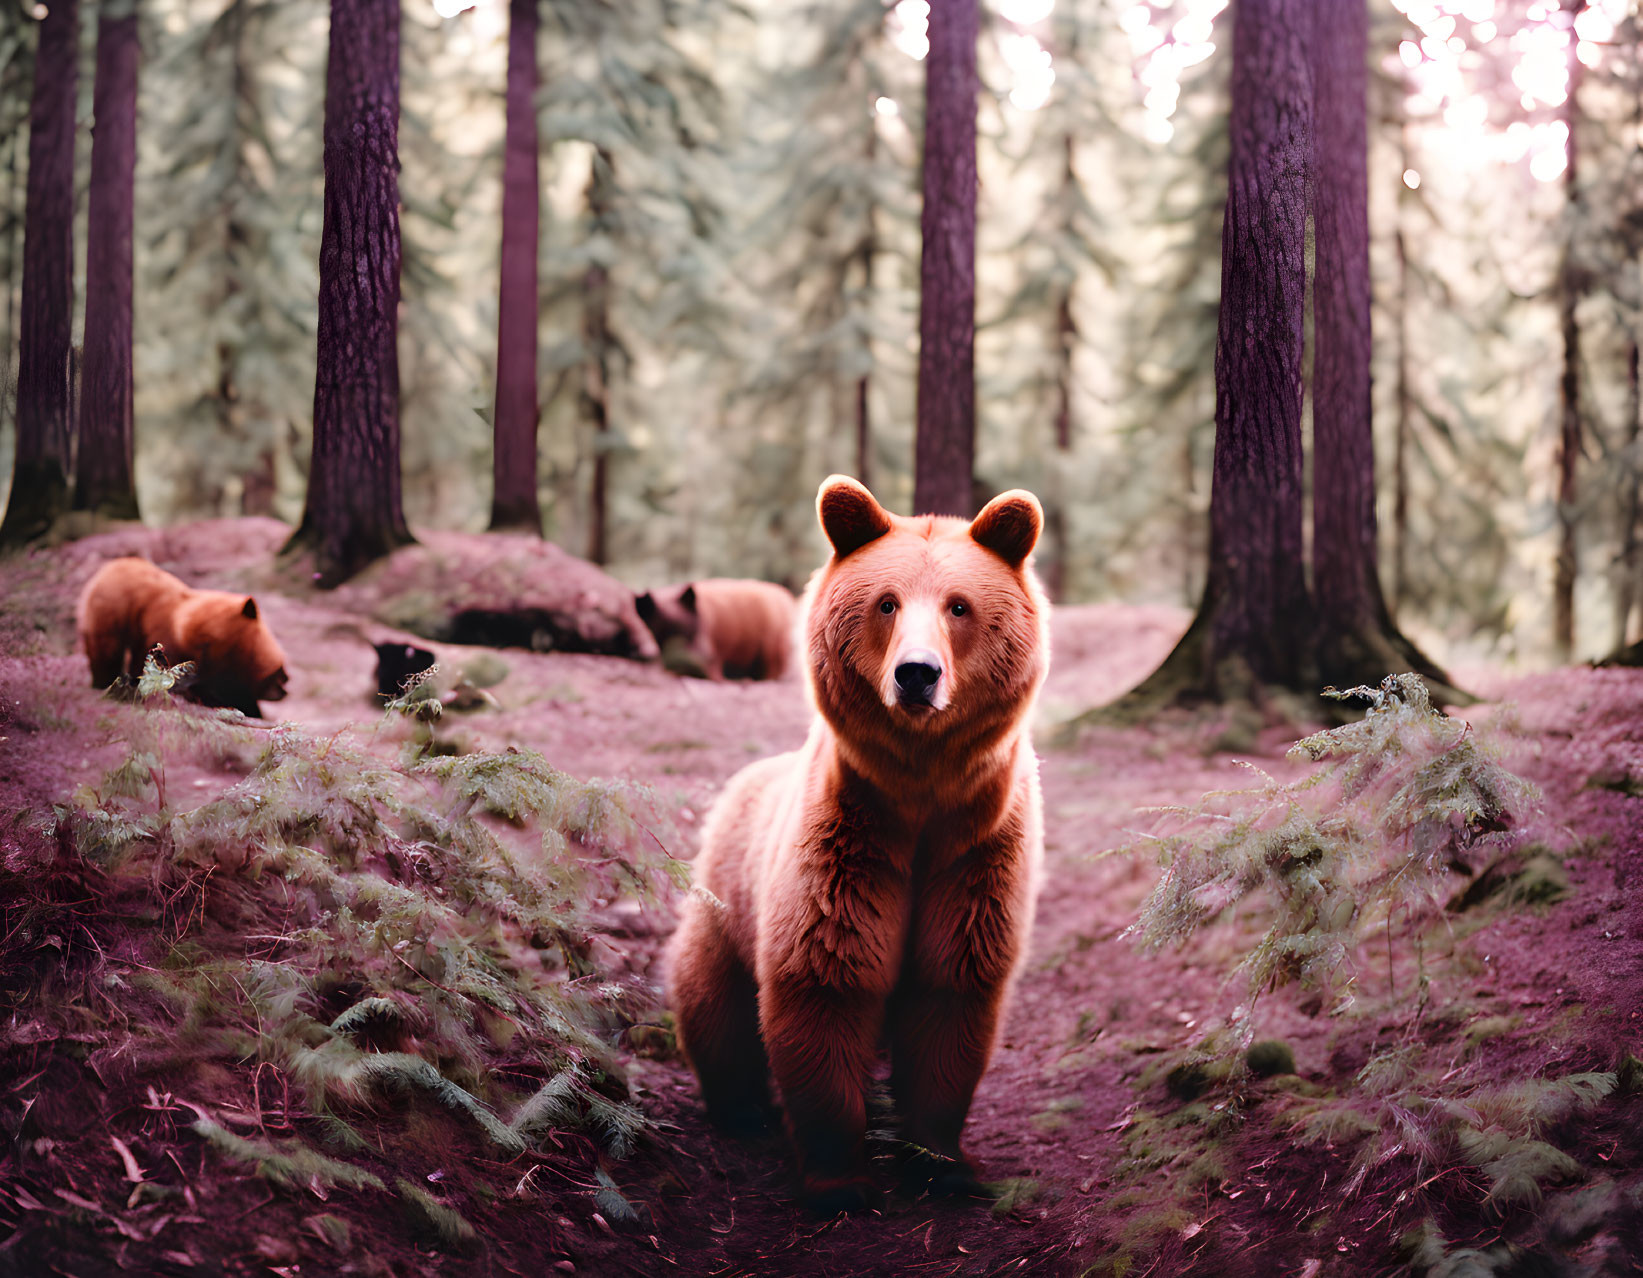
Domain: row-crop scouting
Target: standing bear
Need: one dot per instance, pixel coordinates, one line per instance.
(876, 886)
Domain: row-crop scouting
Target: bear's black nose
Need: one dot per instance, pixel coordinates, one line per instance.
(917, 676)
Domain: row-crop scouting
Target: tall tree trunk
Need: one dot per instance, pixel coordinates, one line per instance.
(596, 361)
(866, 251)
(1254, 625)
(1357, 642)
(1626, 594)
(1569, 443)
(1405, 426)
(45, 439)
(1631, 551)
(103, 479)
(944, 449)
(513, 501)
(353, 513)
(1066, 342)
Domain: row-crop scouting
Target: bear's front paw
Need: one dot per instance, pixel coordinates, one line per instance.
(940, 1176)
(829, 1195)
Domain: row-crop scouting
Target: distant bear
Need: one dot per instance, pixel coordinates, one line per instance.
(129, 605)
(877, 885)
(735, 629)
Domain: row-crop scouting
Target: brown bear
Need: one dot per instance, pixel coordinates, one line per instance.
(731, 629)
(129, 605)
(876, 886)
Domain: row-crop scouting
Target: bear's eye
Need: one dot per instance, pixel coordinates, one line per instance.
(958, 608)
(887, 607)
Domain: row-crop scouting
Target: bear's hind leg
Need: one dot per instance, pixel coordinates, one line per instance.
(106, 655)
(717, 1005)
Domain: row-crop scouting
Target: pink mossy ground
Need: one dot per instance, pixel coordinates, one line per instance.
(1077, 1074)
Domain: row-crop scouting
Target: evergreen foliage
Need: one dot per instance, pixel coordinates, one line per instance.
(381, 936)
(1365, 842)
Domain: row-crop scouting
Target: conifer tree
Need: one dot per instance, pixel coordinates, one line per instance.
(944, 451)
(1076, 134)
(103, 477)
(353, 513)
(44, 459)
(627, 86)
(225, 288)
(514, 500)
(1570, 288)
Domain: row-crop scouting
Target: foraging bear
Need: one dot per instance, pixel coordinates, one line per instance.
(876, 885)
(733, 629)
(129, 605)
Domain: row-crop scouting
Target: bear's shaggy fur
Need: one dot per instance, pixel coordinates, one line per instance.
(129, 606)
(733, 629)
(876, 886)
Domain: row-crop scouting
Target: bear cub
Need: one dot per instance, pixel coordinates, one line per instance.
(129, 606)
(876, 887)
(723, 628)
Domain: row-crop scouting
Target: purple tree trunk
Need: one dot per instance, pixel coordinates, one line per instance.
(1254, 625)
(353, 513)
(1343, 511)
(103, 475)
(45, 441)
(944, 448)
(1256, 589)
(1357, 642)
(513, 500)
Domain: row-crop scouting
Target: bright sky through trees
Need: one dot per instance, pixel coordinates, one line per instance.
(1442, 60)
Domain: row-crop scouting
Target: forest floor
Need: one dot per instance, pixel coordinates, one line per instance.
(1099, 1165)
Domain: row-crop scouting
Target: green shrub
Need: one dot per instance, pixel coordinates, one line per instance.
(1360, 845)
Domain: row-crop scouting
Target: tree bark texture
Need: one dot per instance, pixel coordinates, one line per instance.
(1569, 443)
(514, 500)
(1357, 641)
(1255, 594)
(944, 459)
(596, 342)
(103, 479)
(353, 513)
(45, 441)
(1344, 549)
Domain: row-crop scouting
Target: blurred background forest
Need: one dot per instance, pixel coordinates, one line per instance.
(729, 256)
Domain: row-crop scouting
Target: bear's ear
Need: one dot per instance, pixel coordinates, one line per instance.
(849, 515)
(645, 606)
(1009, 525)
(687, 598)
(249, 612)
